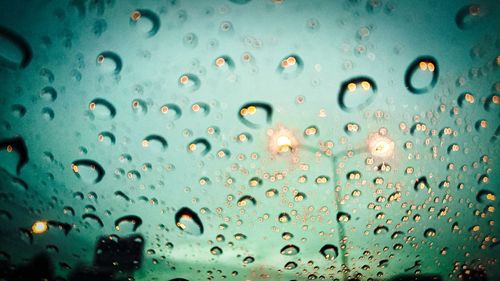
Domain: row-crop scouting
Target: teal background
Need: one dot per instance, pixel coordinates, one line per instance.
(66, 38)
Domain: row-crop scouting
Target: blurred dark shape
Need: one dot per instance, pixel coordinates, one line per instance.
(115, 259)
(473, 275)
(119, 254)
(413, 277)
(39, 268)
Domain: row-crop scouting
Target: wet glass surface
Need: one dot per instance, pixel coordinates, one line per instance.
(249, 140)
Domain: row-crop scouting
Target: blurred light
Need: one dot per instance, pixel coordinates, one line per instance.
(39, 227)
(281, 140)
(380, 146)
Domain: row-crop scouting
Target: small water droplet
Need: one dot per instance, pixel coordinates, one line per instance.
(188, 221)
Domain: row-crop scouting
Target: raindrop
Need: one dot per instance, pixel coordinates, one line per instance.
(188, 221)
(485, 196)
(255, 114)
(290, 66)
(284, 218)
(106, 138)
(248, 260)
(240, 236)
(343, 217)
(110, 62)
(287, 236)
(189, 82)
(171, 110)
(93, 218)
(422, 75)
(190, 40)
(224, 63)
(133, 220)
(15, 53)
(155, 141)
(47, 113)
(102, 109)
(357, 93)
(430, 232)
(290, 265)
(48, 94)
(87, 170)
(200, 144)
(15, 146)
(216, 251)
(468, 15)
(329, 251)
(139, 107)
(246, 200)
(421, 183)
(381, 229)
(289, 250)
(146, 20)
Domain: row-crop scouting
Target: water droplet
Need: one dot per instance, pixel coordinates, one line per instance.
(189, 82)
(422, 75)
(139, 107)
(287, 236)
(290, 265)
(284, 218)
(381, 229)
(48, 94)
(155, 142)
(421, 183)
(216, 251)
(110, 62)
(200, 145)
(430, 232)
(88, 171)
(468, 15)
(15, 53)
(248, 260)
(357, 93)
(255, 114)
(240, 236)
(93, 218)
(171, 110)
(188, 221)
(132, 220)
(47, 113)
(290, 66)
(145, 20)
(106, 138)
(289, 250)
(9, 148)
(246, 201)
(190, 40)
(329, 251)
(102, 109)
(485, 196)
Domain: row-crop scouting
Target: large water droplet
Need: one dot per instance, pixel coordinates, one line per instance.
(188, 221)
(422, 75)
(110, 62)
(200, 145)
(421, 183)
(171, 110)
(102, 109)
(133, 221)
(13, 153)
(290, 66)
(468, 15)
(155, 142)
(87, 170)
(255, 114)
(289, 250)
(189, 82)
(343, 217)
(93, 219)
(357, 93)
(246, 200)
(145, 20)
(15, 52)
(290, 265)
(216, 251)
(329, 251)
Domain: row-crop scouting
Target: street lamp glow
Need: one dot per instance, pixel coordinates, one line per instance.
(281, 140)
(380, 146)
